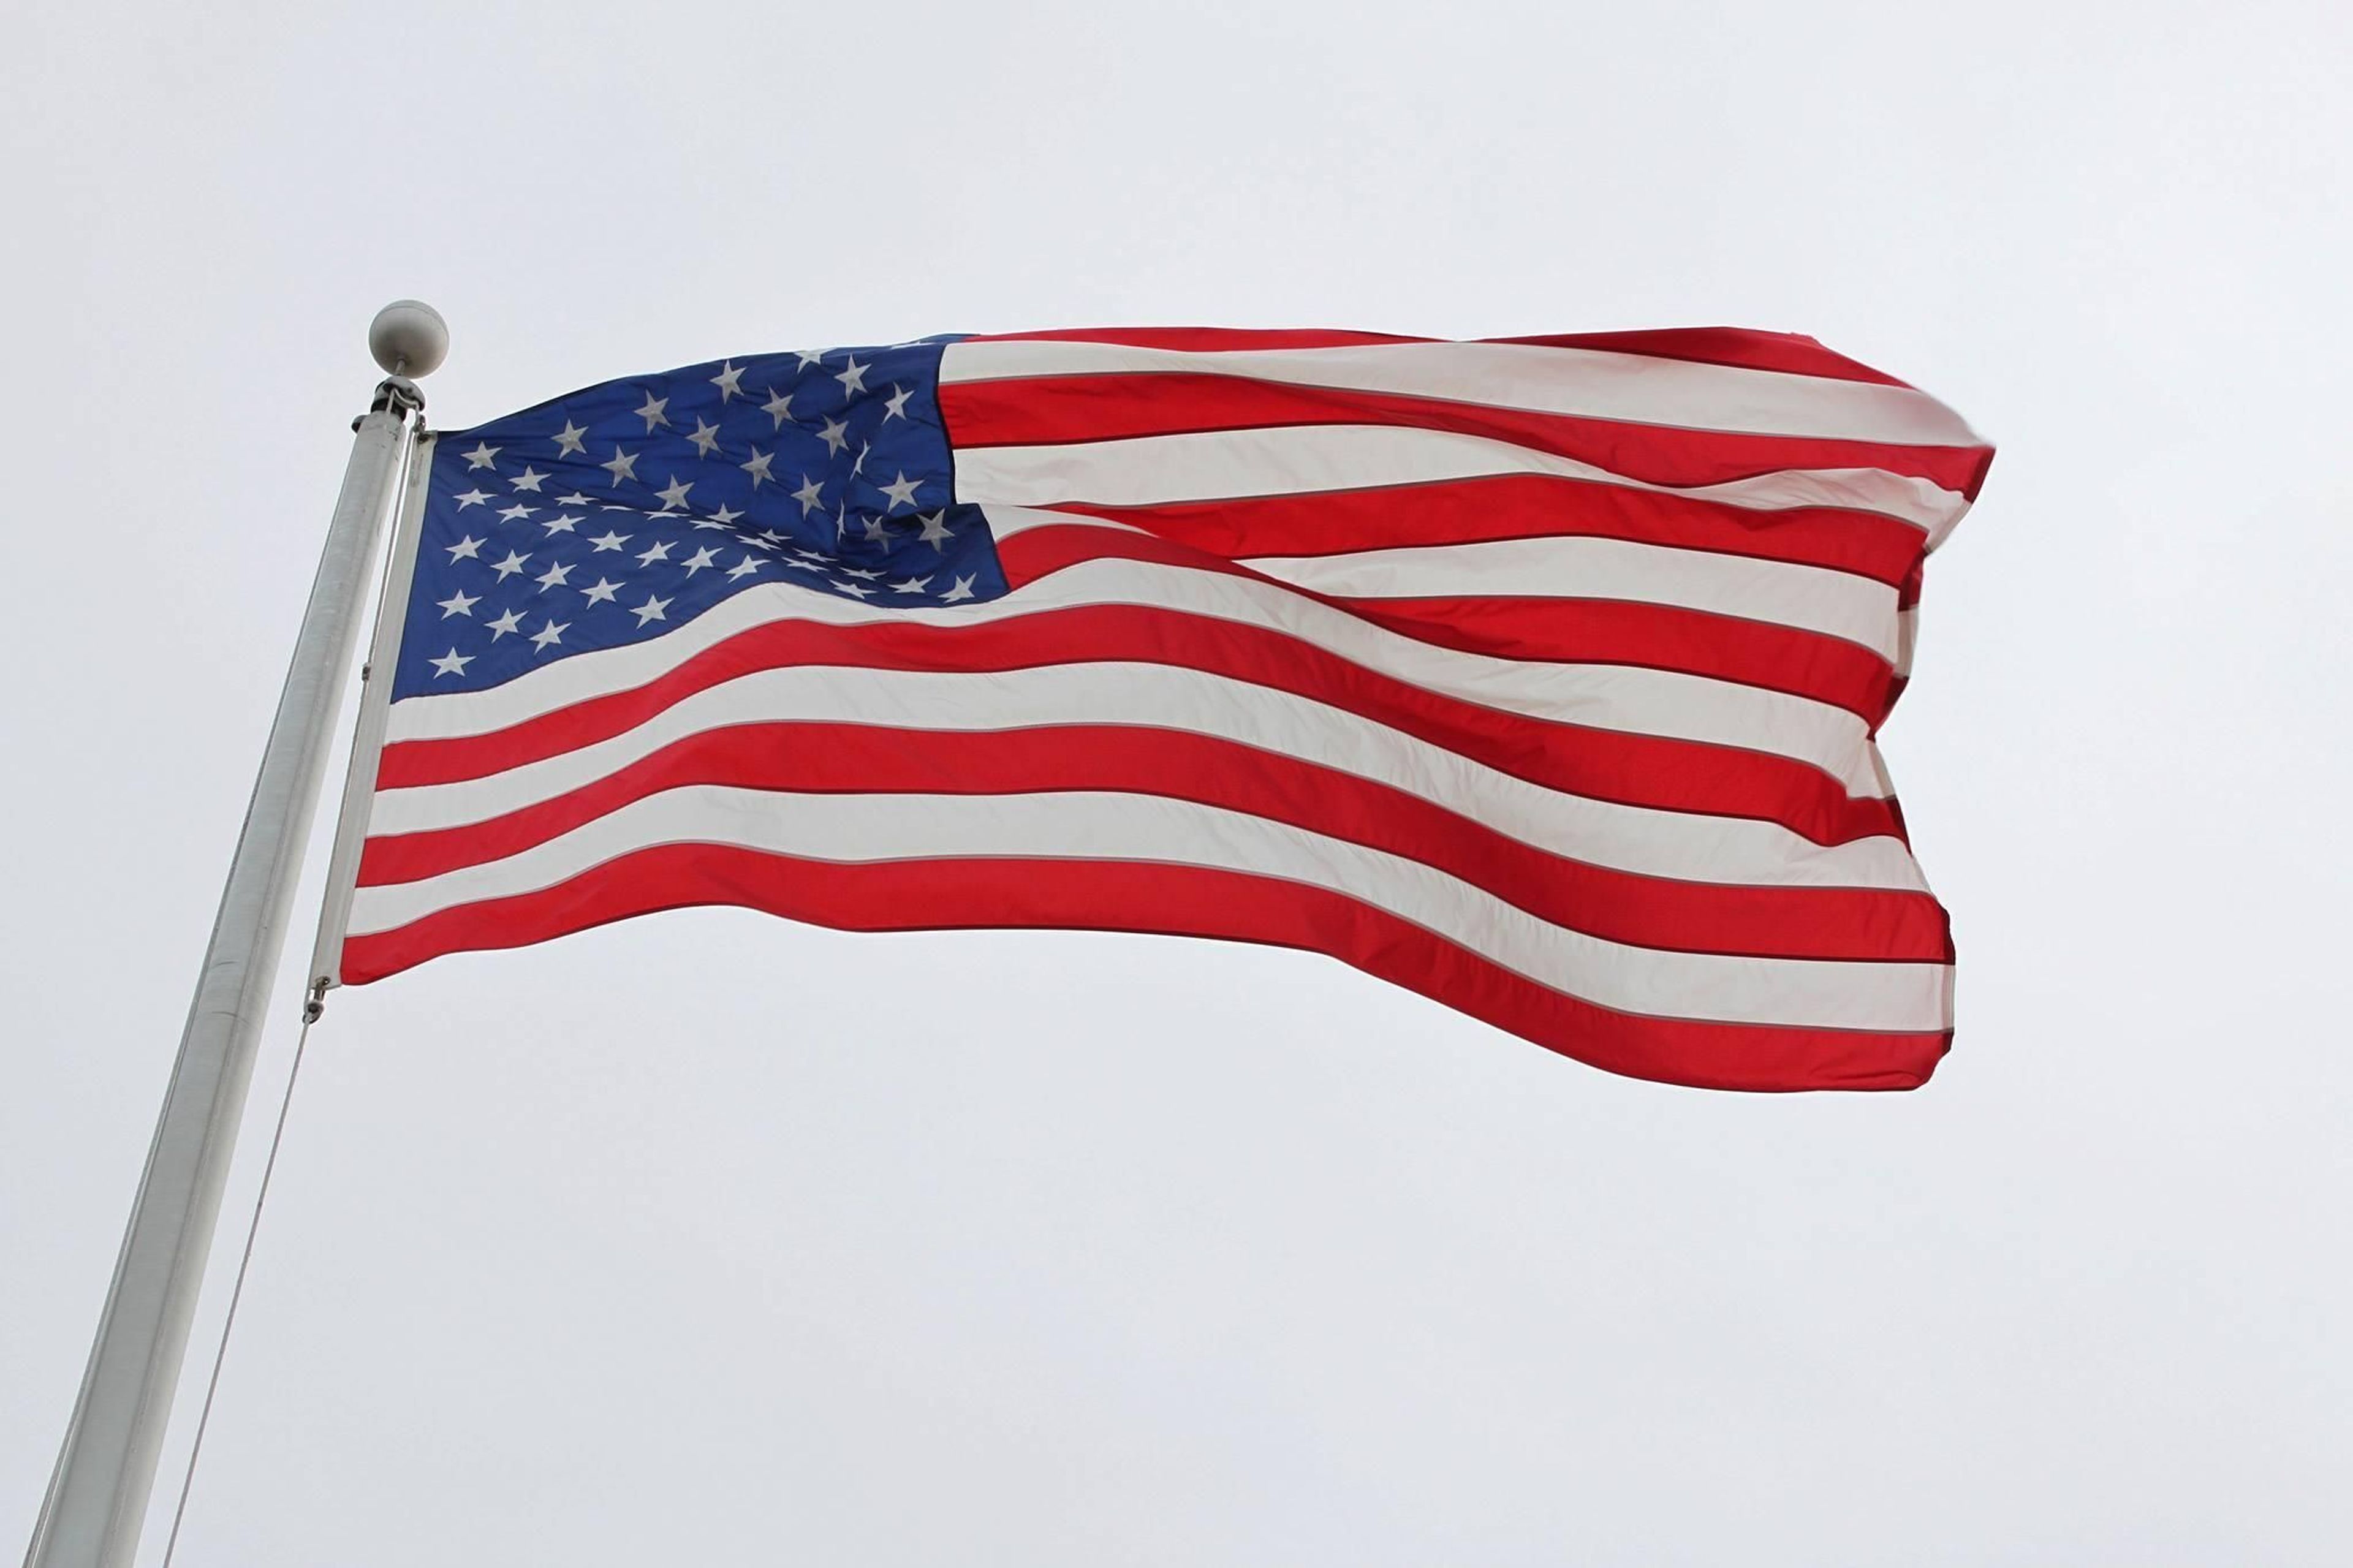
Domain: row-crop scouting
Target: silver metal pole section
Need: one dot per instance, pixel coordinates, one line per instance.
(376, 712)
(98, 1497)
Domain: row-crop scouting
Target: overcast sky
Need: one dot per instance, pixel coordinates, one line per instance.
(711, 1238)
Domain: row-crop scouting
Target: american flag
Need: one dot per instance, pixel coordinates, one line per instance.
(1539, 676)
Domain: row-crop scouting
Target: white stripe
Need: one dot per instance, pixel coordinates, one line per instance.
(1608, 697)
(1005, 521)
(1593, 383)
(1628, 838)
(864, 828)
(1810, 598)
(1225, 465)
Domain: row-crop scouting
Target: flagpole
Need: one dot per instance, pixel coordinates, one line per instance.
(97, 1500)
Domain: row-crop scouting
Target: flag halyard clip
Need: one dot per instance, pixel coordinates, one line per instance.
(395, 395)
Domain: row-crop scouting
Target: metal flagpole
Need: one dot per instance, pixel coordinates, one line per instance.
(367, 739)
(96, 1499)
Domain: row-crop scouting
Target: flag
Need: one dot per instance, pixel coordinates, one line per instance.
(1541, 677)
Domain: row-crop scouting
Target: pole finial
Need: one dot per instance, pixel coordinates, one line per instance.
(409, 338)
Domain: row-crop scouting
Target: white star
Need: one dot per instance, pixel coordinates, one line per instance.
(654, 552)
(860, 589)
(766, 539)
(699, 559)
(807, 494)
(608, 540)
(510, 622)
(458, 603)
(860, 573)
(623, 465)
(480, 457)
(705, 437)
(854, 378)
(652, 610)
(568, 438)
(509, 566)
(553, 577)
(758, 467)
(472, 498)
(902, 490)
(728, 380)
(779, 406)
(962, 589)
(574, 499)
(651, 412)
(836, 435)
(811, 555)
(516, 512)
(712, 523)
(809, 357)
(726, 516)
(601, 591)
(874, 531)
(897, 408)
(565, 523)
(674, 498)
(935, 530)
(450, 663)
(467, 548)
(745, 567)
(910, 586)
(548, 636)
(529, 479)
(858, 467)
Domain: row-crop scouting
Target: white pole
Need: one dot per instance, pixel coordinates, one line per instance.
(97, 1500)
(367, 739)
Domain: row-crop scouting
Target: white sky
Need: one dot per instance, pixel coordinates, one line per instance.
(711, 1239)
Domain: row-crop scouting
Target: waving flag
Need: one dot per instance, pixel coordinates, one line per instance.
(1540, 676)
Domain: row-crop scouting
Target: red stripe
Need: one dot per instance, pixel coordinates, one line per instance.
(932, 895)
(1651, 636)
(1635, 770)
(1196, 339)
(1053, 409)
(1559, 631)
(1527, 506)
(856, 759)
(1789, 352)
(1909, 595)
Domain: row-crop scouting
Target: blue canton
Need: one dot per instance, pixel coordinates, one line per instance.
(623, 510)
